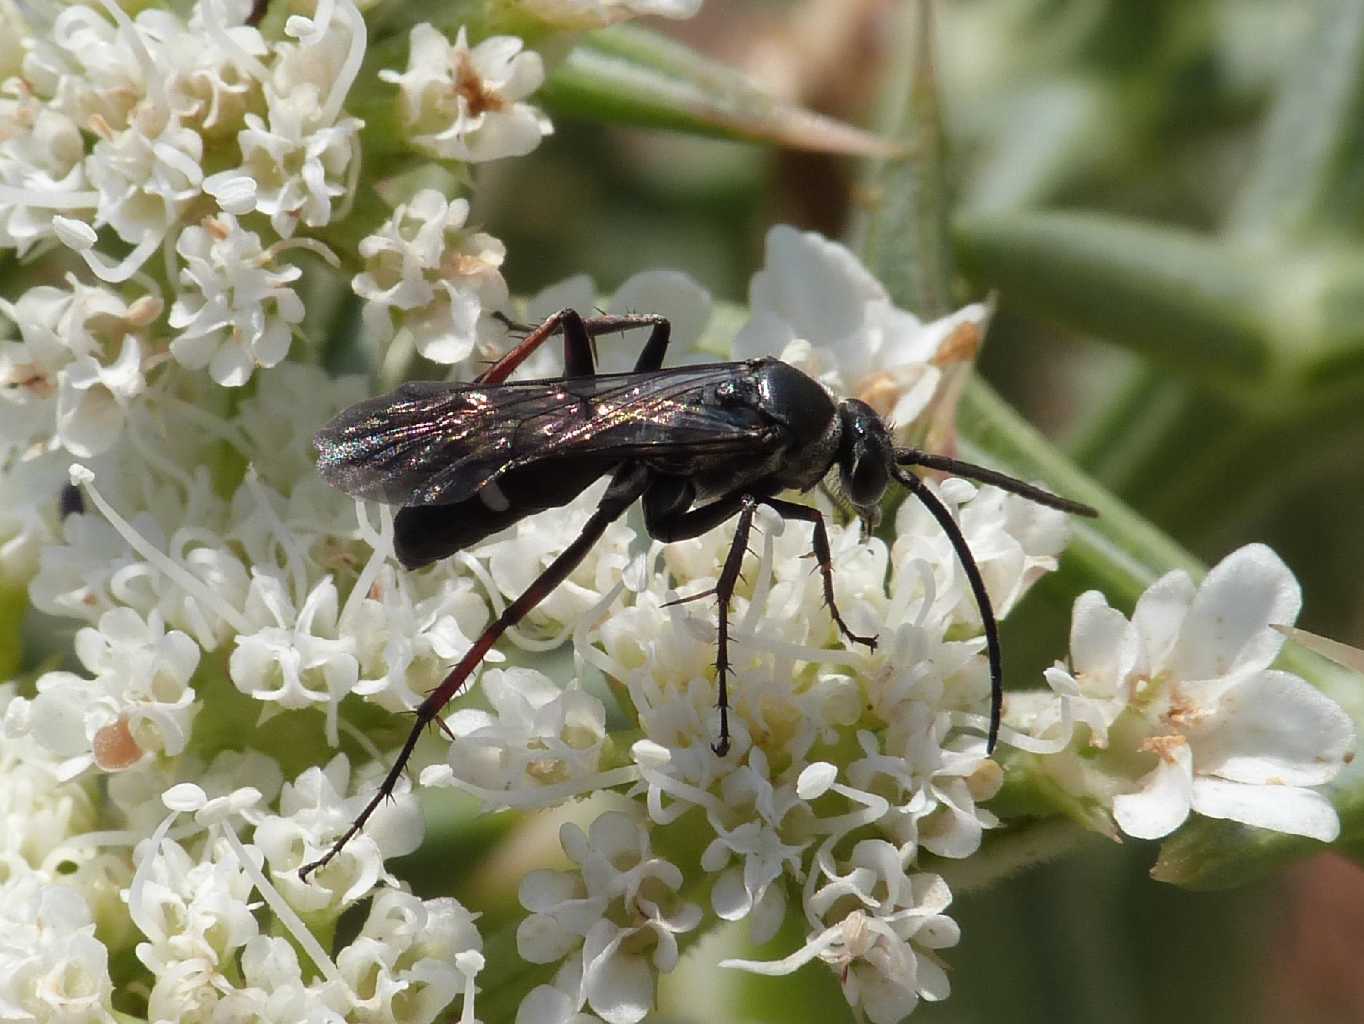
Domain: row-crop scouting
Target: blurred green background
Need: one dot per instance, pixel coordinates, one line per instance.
(1197, 350)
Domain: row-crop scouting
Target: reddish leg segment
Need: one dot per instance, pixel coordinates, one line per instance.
(627, 485)
(578, 332)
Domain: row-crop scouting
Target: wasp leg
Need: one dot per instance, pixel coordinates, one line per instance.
(578, 334)
(628, 484)
(791, 510)
(667, 518)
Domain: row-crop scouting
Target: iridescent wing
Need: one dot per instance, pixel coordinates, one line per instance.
(431, 443)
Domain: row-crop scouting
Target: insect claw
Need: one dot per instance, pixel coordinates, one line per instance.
(510, 324)
(720, 749)
(689, 598)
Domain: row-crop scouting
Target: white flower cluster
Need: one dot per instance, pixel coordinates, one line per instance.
(217, 584)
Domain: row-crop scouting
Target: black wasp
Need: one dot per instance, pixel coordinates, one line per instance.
(698, 444)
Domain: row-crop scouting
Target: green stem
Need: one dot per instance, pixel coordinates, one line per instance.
(1120, 552)
(1007, 853)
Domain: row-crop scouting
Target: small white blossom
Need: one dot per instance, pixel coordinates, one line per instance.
(39, 810)
(525, 550)
(753, 888)
(536, 734)
(146, 175)
(235, 311)
(1230, 737)
(41, 156)
(313, 811)
(441, 278)
(137, 704)
(409, 629)
(52, 967)
(412, 958)
(191, 911)
(298, 165)
(618, 880)
(273, 990)
(1014, 542)
(77, 367)
(816, 306)
(463, 103)
(293, 656)
(887, 927)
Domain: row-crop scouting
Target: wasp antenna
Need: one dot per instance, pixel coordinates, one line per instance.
(982, 474)
(949, 525)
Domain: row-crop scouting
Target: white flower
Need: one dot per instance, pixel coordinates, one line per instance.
(817, 307)
(881, 945)
(211, 64)
(936, 787)
(537, 733)
(138, 703)
(1107, 661)
(295, 656)
(297, 164)
(579, 14)
(38, 810)
(442, 278)
(313, 811)
(41, 154)
(146, 175)
(235, 311)
(77, 367)
(87, 68)
(458, 103)
(753, 887)
(525, 550)
(412, 958)
(1231, 737)
(52, 967)
(618, 879)
(191, 911)
(409, 629)
(272, 989)
(1014, 542)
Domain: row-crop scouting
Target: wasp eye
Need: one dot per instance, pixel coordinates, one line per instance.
(866, 481)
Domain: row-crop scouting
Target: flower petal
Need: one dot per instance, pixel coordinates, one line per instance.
(1227, 628)
(1275, 728)
(1163, 803)
(1299, 812)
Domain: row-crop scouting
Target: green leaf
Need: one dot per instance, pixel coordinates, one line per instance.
(633, 76)
(901, 230)
(1179, 297)
(1305, 179)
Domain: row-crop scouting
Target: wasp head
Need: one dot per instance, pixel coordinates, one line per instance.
(865, 458)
